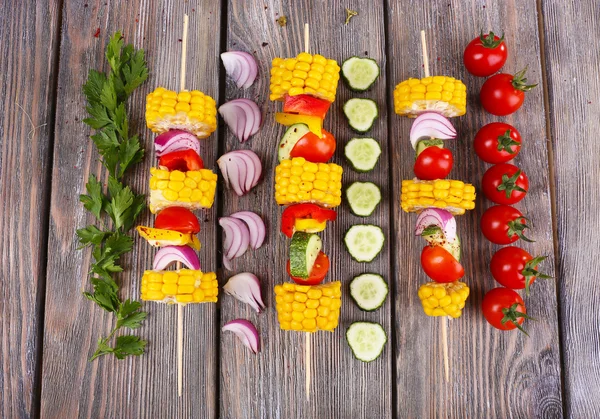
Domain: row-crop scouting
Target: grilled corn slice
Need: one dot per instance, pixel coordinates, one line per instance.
(298, 181)
(443, 299)
(192, 111)
(194, 189)
(452, 195)
(308, 308)
(306, 74)
(442, 94)
(181, 287)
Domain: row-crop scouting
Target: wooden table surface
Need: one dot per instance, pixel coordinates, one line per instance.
(49, 330)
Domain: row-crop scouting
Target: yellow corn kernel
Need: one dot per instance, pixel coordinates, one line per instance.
(442, 94)
(181, 286)
(193, 189)
(417, 195)
(446, 299)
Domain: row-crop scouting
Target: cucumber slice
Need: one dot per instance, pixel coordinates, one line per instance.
(304, 249)
(364, 242)
(290, 138)
(360, 73)
(363, 198)
(362, 153)
(366, 339)
(361, 114)
(423, 144)
(435, 236)
(368, 291)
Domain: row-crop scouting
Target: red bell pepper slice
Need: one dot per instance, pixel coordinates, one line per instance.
(317, 274)
(178, 219)
(291, 213)
(183, 160)
(306, 105)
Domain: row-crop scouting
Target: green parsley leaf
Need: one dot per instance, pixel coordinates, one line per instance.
(129, 316)
(118, 206)
(129, 345)
(94, 85)
(102, 349)
(135, 72)
(94, 201)
(130, 153)
(91, 235)
(105, 294)
(113, 52)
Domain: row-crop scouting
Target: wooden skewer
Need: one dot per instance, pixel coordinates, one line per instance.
(443, 319)
(179, 306)
(307, 358)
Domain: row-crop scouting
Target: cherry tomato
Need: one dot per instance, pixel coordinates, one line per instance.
(497, 143)
(504, 309)
(178, 219)
(319, 270)
(440, 265)
(485, 55)
(433, 163)
(514, 268)
(502, 94)
(183, 160)
(505, 184)
(502, 224)
(313, 148)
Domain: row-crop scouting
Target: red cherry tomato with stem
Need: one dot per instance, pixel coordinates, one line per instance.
(433, 163)
(485, 55)
(497, 142)
(440, 265)
(514, 268)
(503, 94)
(317, 274)
(502, 224)
(504, 309)
(505, 184)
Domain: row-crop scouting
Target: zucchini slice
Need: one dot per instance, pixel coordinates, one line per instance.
(304, 249)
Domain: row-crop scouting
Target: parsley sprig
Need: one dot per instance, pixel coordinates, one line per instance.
(117, 207)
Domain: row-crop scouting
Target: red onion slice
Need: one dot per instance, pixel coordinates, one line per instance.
(430, 125)
(257, 166)
(246, 332)
(437, 217)
(168, 255)
(241, 170)
(175, 140)
(236, 237)
(241, 67)
(246, 288)
(242, 116)
(247, 178)
(256, 226)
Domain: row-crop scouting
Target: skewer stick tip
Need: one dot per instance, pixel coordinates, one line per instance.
(307, 364)
(425, 56)
(306, 38)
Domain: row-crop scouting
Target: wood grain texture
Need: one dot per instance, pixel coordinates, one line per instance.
(26, 108)
(139, 386)
(271, 384)
(573, 91)
(493, 373)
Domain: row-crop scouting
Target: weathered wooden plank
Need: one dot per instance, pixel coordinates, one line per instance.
(493, 373)
(271, 384)
(29, 47)
(573, 89)
(140, 386)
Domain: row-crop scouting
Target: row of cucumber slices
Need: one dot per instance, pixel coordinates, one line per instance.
(364, 241)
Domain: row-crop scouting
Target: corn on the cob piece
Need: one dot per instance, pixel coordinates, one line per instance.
(192, 111)
(298, 181)
(442, 94)
(443, 299)
(452, 195)
(182, 286)
(308, 308)
(193, 189)
(306, 74)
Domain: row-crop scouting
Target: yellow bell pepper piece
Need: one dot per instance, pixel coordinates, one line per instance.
(158, 237)
(309, 225)
(315, 124)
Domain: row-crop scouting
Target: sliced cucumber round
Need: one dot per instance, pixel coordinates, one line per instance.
(361, 114)
(368, 291)
(363, 198)
(364, 242)
(360, 73)
(362, 153)
(290, 138)
(366, 339)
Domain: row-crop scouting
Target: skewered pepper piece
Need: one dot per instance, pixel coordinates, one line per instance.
(443, 299)
(309, 218)
(178, 219)
(180, 287)
(193, 190)
(452, 195)
(441, 94)
(308, 308)
(309, 74)
(298, 180)
(159, 238)
(192, 111)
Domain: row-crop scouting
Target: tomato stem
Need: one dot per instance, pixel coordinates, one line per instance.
(489, 40)
(531, 273)
(519, 81)
(512, 315)
(509, 184)
(505, 143)
(517, 226)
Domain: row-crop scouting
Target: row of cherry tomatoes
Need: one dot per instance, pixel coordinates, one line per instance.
(504, 184)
